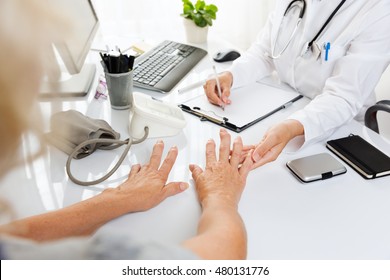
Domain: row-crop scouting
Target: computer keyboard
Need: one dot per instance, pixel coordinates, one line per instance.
(165, 65)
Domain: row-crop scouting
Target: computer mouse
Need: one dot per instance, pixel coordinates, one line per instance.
(226, 55)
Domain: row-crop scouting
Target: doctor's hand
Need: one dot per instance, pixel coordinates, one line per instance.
(274, 141)
(146, 186)
(211, 90)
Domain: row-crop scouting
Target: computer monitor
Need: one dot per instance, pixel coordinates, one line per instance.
(69, 75)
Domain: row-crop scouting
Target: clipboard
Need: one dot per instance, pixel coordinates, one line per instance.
(250, 105)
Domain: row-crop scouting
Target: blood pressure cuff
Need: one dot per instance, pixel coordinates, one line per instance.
(71, 128)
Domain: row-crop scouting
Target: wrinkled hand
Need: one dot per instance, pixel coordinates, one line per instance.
(146, 186)
(223, 179)
(274, 141)
(211, 90)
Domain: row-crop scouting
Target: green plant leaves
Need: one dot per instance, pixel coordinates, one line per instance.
(200, 5)
(201, 13)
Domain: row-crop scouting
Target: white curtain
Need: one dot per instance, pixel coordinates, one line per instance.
(238, 21)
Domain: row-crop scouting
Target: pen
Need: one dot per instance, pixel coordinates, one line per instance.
(104, 58)
(114, 62)
(131, 62)
(286, 105)
(191, 86)
(101, 56)
(327, 48)
(218, 87)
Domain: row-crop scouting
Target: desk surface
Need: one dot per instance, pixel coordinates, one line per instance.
(346, 217)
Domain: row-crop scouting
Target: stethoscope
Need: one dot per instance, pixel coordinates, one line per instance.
(301, 4)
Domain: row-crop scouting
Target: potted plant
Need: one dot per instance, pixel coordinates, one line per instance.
(197, 19)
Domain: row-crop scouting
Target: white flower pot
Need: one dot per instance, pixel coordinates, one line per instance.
(194, 33)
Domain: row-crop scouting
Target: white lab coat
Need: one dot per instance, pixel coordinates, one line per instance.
(342, 87)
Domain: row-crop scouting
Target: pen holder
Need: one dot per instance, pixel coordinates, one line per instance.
(120, 89)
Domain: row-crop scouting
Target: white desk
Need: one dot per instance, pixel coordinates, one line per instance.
(346, 217)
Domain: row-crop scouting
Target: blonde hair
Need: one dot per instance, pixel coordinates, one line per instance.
(26, 31)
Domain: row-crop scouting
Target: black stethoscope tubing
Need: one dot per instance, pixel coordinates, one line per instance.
(326, 23)
(301, 14)
(300, 17)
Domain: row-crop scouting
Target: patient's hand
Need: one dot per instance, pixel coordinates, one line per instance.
(223, 179)
(146, 186)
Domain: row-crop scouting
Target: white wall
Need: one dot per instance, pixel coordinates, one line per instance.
(238, 21)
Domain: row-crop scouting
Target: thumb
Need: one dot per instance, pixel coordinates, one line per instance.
(225, 95)
(263, 147)
(266, 152)
(260, 151)
(196, 171)
(174, 188)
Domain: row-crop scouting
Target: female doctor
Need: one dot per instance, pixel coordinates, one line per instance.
(331, 51)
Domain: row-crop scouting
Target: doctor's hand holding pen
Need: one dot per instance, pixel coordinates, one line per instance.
(273, 141)
(211, 89)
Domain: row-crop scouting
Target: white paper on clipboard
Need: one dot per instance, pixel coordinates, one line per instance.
(249, 103)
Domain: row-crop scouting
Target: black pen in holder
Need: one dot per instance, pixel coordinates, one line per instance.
(114, 62)
(119, 78)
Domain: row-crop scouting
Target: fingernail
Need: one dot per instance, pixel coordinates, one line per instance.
(174, 148)
(256, 157)
(183, 186)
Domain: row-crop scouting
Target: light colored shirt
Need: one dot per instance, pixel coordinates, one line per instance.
(341, 87)
(102, 246)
